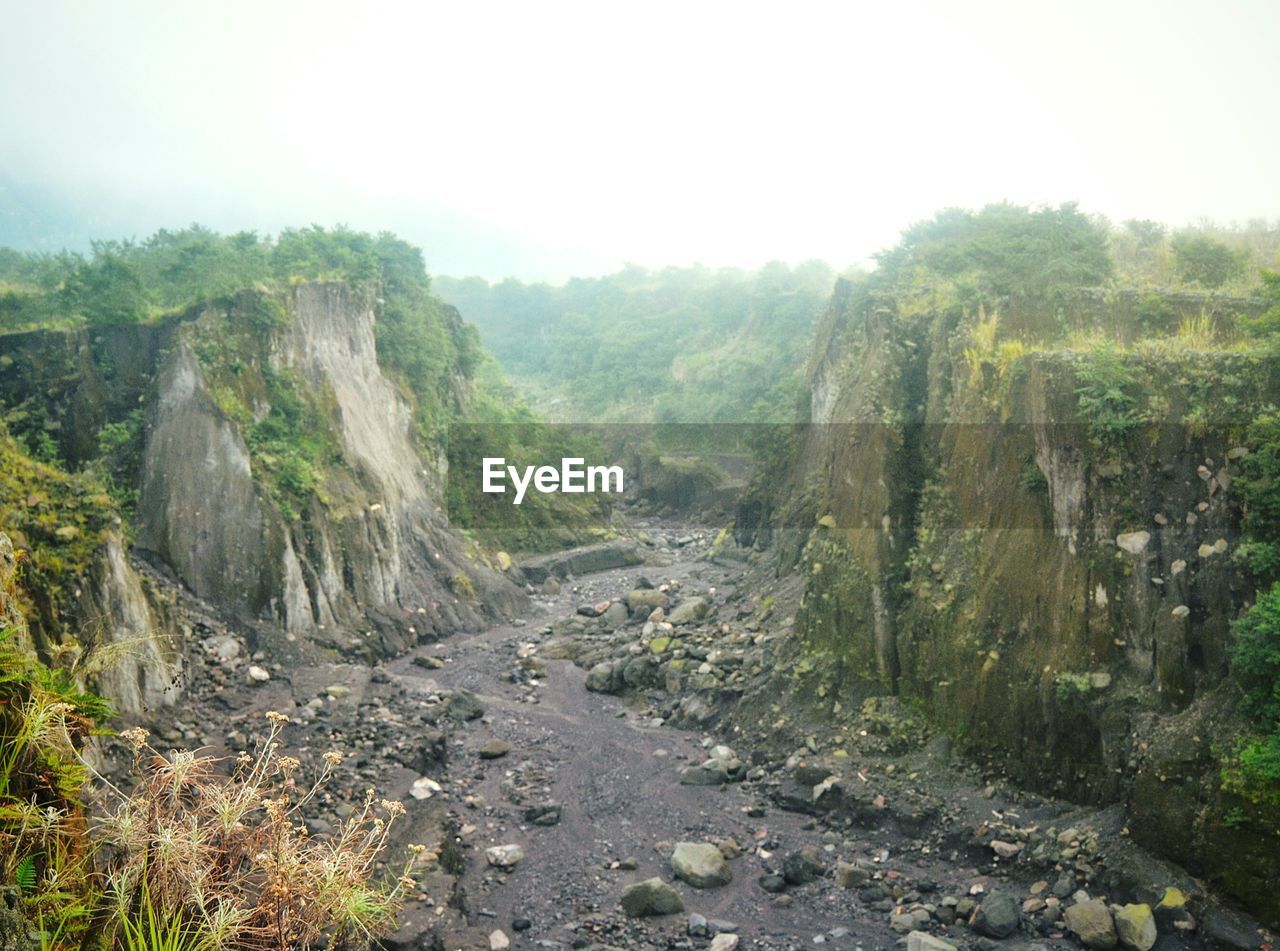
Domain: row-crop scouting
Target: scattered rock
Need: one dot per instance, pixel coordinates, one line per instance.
(650, 898)
(1136, 927)
(923, 941)
(1090, 921)
(258, 675)
(803, 866)
(1133, 542)
(998, 915)
(464, 705)
(494, 749)
(543, 814)
(498, 941)
(724, 942)
(701, 864)
(688, 611)
(504, 856)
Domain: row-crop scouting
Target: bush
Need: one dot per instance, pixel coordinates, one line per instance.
(1202, 260)
(1255, 657)
(217, 861)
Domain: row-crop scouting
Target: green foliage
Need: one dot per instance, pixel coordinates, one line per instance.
(108, 288)
(1267, 326)
(1108, 384)
(24, 875)
(681, 345)
(1204, 260)
(1259, 489)
(497, 424)
(1001, 251)
(1255, 658)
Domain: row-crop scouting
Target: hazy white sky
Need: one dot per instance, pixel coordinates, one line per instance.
(548, 139)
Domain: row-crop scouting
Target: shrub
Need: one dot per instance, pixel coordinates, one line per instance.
(223, 861)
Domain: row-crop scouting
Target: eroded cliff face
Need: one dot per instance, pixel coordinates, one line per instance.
(370, 553)
(1059, 600)
(354, 554)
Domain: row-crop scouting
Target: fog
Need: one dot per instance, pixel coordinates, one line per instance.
(545, 140)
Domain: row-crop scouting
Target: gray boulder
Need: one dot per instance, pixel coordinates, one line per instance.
(649, 898)
(701, 864)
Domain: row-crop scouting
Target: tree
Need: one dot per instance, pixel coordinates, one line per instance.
(1202, 260)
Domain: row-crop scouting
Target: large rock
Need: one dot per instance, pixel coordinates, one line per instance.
(651, 897)
(1090, 921)
(923, 941)
(803, 866)
(701, 864)
(998, 915)
(646, 599)
(688, 611)
(1136, 927)
(581, 561)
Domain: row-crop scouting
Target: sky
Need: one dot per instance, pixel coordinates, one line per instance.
(549, 139)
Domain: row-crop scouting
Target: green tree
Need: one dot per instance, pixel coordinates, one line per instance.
(1202, 260)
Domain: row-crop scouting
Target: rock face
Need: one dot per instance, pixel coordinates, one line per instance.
(581, 561)
(701, 864)
(968, 540)
(378, 547)
(370, 552)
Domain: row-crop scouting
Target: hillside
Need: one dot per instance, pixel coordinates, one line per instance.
(1040, 504)
(680, 345)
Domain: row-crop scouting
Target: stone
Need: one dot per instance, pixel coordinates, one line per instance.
(504, 856)
(494, 749)
(689, 611)
(773, 884)
(998, 916)
(724, 942)
(258, 675)
(1090, 921)
(543, 814)
(427, 662)
(1006, 850)
(650, 898)
(803, 866)
(711, 773)
(464, 705)
(338, 691)
(848, 875)
(615, 615)
(923, 941)
(551, 587)
(646, 600)
(498, 941)
(1133, 542)
(701, 864)
(1136, 927)
(424, 788)
(604, 677)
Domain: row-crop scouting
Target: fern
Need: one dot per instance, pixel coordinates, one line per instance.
(25, 874)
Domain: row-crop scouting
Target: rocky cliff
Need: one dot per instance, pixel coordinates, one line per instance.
(277, 473)
(1033, 538)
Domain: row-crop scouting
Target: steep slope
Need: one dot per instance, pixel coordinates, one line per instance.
(1018, 511)
(278, 474)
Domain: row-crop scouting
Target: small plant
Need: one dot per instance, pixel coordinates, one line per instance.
(1106, 396)
(211, 861)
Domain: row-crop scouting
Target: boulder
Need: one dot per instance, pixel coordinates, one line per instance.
(689, 611)
(1090, 921)
(803, 866)
(701, 864)
(649, 898)
(923, 941)
(645, 600)
(998, 915)
(1136, 927)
